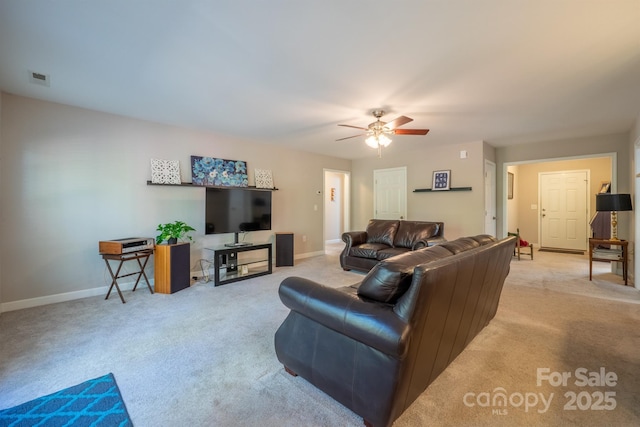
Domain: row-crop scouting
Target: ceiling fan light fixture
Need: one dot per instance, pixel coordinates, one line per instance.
(384, 140)
(376, 133)
(372, 141)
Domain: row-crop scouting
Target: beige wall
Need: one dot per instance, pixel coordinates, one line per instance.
(521, 215)
(71, 177)
(461, 211)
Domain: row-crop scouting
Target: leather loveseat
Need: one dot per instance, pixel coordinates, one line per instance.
(377, 345)
(387, 238)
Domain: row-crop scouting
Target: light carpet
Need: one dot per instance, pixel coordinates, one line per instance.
(204, 356)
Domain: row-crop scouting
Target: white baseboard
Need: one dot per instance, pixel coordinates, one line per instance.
(102, 290)
(308, 255)
(69, 296)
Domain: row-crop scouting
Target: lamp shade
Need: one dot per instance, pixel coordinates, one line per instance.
(606, 202)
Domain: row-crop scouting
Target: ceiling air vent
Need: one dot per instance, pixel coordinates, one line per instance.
(39, 78)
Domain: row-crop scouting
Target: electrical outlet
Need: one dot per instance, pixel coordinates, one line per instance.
(304, 237)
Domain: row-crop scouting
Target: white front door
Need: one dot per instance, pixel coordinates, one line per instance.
(489, 198)
(390, 193)
(563, 209)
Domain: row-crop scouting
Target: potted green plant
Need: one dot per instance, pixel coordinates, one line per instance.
(173, 231)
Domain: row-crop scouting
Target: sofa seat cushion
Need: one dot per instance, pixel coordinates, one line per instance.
(367, 250)
(382, 231)
(390, 252)
(410, 232)
(389, 279)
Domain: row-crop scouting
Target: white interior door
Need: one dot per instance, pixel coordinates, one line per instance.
(563, 209)
(390, 193)
(489, 197)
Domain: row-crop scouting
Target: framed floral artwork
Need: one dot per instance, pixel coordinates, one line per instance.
(218, 172)
(441, 180)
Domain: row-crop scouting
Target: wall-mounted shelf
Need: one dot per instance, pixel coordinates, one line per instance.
(428, 190)
(189, 184)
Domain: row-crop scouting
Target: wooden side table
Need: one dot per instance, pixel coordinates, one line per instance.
(604, 255)
(141, 255)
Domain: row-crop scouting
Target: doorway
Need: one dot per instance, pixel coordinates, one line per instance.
(336, 204)
(490, 222)
(522, 209)
(564, 210)
(390, 193)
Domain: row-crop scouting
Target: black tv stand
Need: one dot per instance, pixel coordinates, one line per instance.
(237, 244)
(230, 267)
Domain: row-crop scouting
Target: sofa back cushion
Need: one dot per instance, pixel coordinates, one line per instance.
(388, 280)
(382, 231)
(484, 239)
(410, 232)
(460, 245)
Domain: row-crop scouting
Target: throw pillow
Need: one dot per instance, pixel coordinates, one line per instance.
(388, 280)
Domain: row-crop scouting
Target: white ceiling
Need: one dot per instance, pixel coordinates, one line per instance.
(288, 71)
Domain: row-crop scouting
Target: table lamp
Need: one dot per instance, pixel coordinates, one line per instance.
(606, 202)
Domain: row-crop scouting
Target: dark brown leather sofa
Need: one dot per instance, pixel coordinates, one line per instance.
(377, 345)
(387, 238)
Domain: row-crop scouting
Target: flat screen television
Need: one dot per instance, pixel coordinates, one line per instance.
(236, 210)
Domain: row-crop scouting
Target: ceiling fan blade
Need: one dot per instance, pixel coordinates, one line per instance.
(411, 131)
(349, 137)
(398, 122)
(356, 127)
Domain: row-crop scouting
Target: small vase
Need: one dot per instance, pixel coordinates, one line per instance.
(172, 240)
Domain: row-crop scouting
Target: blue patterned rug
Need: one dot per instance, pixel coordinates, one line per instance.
(96, 402)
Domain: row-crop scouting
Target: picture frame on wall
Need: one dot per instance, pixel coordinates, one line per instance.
(605, 187)
(441, 180)
(210, 171)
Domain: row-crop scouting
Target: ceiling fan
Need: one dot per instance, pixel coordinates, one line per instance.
(377, 131)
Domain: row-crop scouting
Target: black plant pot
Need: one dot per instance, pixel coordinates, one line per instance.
(172, 240)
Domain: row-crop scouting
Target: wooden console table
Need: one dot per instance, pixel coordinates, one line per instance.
(138, 256)
(609, 255)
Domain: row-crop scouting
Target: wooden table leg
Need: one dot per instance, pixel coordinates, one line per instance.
(114, 279)
(143, 273)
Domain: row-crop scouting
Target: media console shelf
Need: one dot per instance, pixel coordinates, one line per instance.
(189, 184)
(232, 264)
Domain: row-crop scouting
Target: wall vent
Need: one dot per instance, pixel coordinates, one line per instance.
(39, 78)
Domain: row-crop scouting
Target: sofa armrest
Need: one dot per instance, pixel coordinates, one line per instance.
(354, 238)
(370, 323)
(431, 241)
